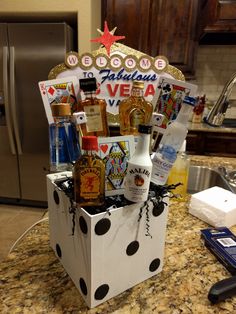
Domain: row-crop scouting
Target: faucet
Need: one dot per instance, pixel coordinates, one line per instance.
(217, 113)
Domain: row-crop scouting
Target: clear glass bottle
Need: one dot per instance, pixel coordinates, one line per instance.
(172, 140)
(64, 144)
(179, 172)
(134, 110)
(89, 175)
(138, 175)
(94, 108)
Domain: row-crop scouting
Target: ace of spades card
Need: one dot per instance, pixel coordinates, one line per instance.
(115, 152)
(169, 96)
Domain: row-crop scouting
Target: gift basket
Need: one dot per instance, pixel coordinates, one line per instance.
(111, 148)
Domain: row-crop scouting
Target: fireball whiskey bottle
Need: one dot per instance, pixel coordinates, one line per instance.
(89, 175)
(139, 170)
(94, 108)
(134, 110)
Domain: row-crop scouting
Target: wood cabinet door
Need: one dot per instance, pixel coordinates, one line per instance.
(157, 27)
(131, 17)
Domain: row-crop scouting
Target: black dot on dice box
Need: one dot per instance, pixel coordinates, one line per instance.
(56, 197)
(154, 264)
(83, 286)
(83, 225)
(158, 209)
(58, 250)
(102, 226)
(101, 292)
(132, 248)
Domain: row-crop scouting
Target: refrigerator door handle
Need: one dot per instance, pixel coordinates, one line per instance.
(13, 100)
(6, 98)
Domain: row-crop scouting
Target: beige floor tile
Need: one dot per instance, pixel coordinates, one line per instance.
(14, 221)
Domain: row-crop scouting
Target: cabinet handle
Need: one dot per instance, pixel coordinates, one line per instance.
(6, 99)
(13, 100)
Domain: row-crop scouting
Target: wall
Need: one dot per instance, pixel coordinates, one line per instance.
(87, 11)
(215, 65)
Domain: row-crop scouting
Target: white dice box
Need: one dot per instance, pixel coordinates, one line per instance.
(109, 252)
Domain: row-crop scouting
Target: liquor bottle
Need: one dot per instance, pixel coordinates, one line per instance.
(63, 140)
(134, 110)
(179, 172)
(175, 133)
(89, 175)
(138, 175)
(94, 108)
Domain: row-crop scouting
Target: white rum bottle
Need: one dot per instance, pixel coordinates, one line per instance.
(138, 176)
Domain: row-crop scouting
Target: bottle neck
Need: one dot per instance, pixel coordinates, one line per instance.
(90, 94)
(62, 119)
(143, 144)
(184, 114)
(137, 92)
(89, 152)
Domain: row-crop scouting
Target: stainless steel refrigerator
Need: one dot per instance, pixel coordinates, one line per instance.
(28, 51)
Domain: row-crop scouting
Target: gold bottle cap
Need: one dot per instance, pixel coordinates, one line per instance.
(61, 110)
(138, 84)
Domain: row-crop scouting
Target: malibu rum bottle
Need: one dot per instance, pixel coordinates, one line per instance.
(134, 110)
(89, 175)
(139, 170)
(94, 108)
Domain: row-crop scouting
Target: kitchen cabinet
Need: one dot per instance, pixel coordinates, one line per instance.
(157, 27)
(219, 15)
(218, 22)
(211, 143)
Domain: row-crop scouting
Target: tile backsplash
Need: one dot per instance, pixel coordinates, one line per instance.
(215, 65)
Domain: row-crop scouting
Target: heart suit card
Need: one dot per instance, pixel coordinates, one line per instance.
(115, 152)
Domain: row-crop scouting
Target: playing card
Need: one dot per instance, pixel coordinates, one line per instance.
(169, 96)
(115, 151)
(63, 90)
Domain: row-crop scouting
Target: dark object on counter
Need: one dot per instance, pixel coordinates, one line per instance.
(221, 242)
(222, 290)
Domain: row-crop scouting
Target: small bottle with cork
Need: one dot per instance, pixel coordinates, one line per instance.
(134, 110)
(63, 140)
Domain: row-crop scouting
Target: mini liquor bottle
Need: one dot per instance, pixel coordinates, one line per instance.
(171, 141)
(180, 171)
(94, 108)
(134, 110)
(89, 175)
(139, 170)
(64, 143)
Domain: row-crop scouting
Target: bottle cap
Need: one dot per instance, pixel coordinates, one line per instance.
(183, 147)
(90, 143)
(88, 84)
(138, 84)
(145, 129)
(61, 110)
(189, 100)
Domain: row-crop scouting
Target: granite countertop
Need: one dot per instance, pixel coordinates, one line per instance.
(32, 280)
(204, 127)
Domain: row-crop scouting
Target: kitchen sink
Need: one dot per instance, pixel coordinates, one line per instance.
(229, 123)
(201, 178)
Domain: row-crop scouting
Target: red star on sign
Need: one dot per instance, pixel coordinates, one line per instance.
(107, 39)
